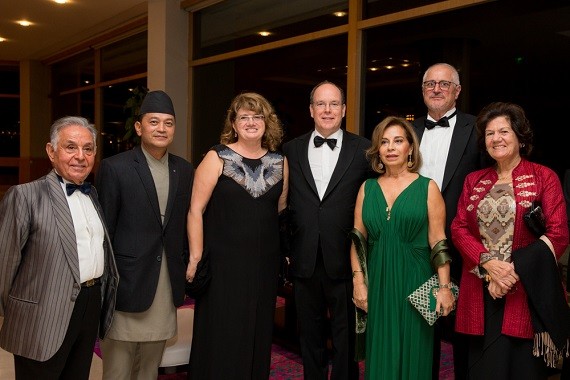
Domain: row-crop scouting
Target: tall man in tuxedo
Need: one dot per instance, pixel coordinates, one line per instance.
(145, 194)
(326, 168)
(58, 278)
(448, 143)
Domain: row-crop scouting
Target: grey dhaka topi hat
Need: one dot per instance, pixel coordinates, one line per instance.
(157, 102)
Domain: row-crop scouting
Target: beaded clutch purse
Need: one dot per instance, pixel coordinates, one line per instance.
(424, 298)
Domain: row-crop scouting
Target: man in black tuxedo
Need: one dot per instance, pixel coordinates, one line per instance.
(450, 152)
(326, 168)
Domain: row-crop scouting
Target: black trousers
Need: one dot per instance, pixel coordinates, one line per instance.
(315, 297)
(73, 359)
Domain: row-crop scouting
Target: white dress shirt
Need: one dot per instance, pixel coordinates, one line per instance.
(323, 160)
(434, 148)
(89, 235)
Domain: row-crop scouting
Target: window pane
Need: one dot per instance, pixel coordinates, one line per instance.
(232, 25)
(10, 128)
(374, 8)
(114, 116)
(74, 72)
(505, 61)
(76, 104)
(10, 79)
(284, 76)
(124, 58)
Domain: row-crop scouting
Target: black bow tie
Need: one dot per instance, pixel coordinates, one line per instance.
(85, 188)
(320, 141)
(443, 122)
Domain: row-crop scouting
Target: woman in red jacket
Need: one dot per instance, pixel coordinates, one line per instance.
(500, 303)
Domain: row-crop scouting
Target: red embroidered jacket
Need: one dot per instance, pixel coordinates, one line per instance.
(531, 181)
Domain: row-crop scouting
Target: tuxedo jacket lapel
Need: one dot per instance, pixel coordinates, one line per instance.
(64, 223)
(303, 153)
(461, 134)
(347, 151)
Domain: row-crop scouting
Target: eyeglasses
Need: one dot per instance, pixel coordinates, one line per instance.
(443, 84)
(323, 105)
(248, 119)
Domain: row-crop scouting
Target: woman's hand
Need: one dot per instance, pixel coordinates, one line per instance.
(360, 295)
(495, 290)
(503, 277)
(445, 301)
(191, 270)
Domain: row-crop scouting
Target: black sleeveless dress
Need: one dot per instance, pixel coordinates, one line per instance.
(233, 320)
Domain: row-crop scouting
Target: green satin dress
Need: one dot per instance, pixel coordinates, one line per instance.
(399, 342)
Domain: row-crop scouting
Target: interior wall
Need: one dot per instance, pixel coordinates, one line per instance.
(168, 63)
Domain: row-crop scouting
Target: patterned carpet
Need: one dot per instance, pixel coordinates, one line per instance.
(286, 365)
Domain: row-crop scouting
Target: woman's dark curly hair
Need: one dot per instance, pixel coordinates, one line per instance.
(515, 115)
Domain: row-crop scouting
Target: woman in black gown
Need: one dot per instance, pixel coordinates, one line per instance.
(239, 189)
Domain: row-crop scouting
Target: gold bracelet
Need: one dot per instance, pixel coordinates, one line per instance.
(354, 272)
(445, 286)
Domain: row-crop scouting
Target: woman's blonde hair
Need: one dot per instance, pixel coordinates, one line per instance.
(252, 101)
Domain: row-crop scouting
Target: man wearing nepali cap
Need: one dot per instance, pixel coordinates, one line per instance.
(145, 195)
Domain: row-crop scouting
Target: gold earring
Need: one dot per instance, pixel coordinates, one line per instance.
(410, 163)
(380, 165)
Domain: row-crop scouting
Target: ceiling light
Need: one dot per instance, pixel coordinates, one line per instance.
(24, 22)
(2, 39)
(339, 14)
(373, 69)
(60, 1)
(264, 33)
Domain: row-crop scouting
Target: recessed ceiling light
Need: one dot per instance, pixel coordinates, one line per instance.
(2, 39)
(264, 33)
(24, 22)
(60, 1)
(339, 14)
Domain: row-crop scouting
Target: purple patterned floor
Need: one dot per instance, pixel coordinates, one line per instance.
(286, 365)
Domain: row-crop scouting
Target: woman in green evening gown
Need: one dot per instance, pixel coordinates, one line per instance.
(402, 215)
